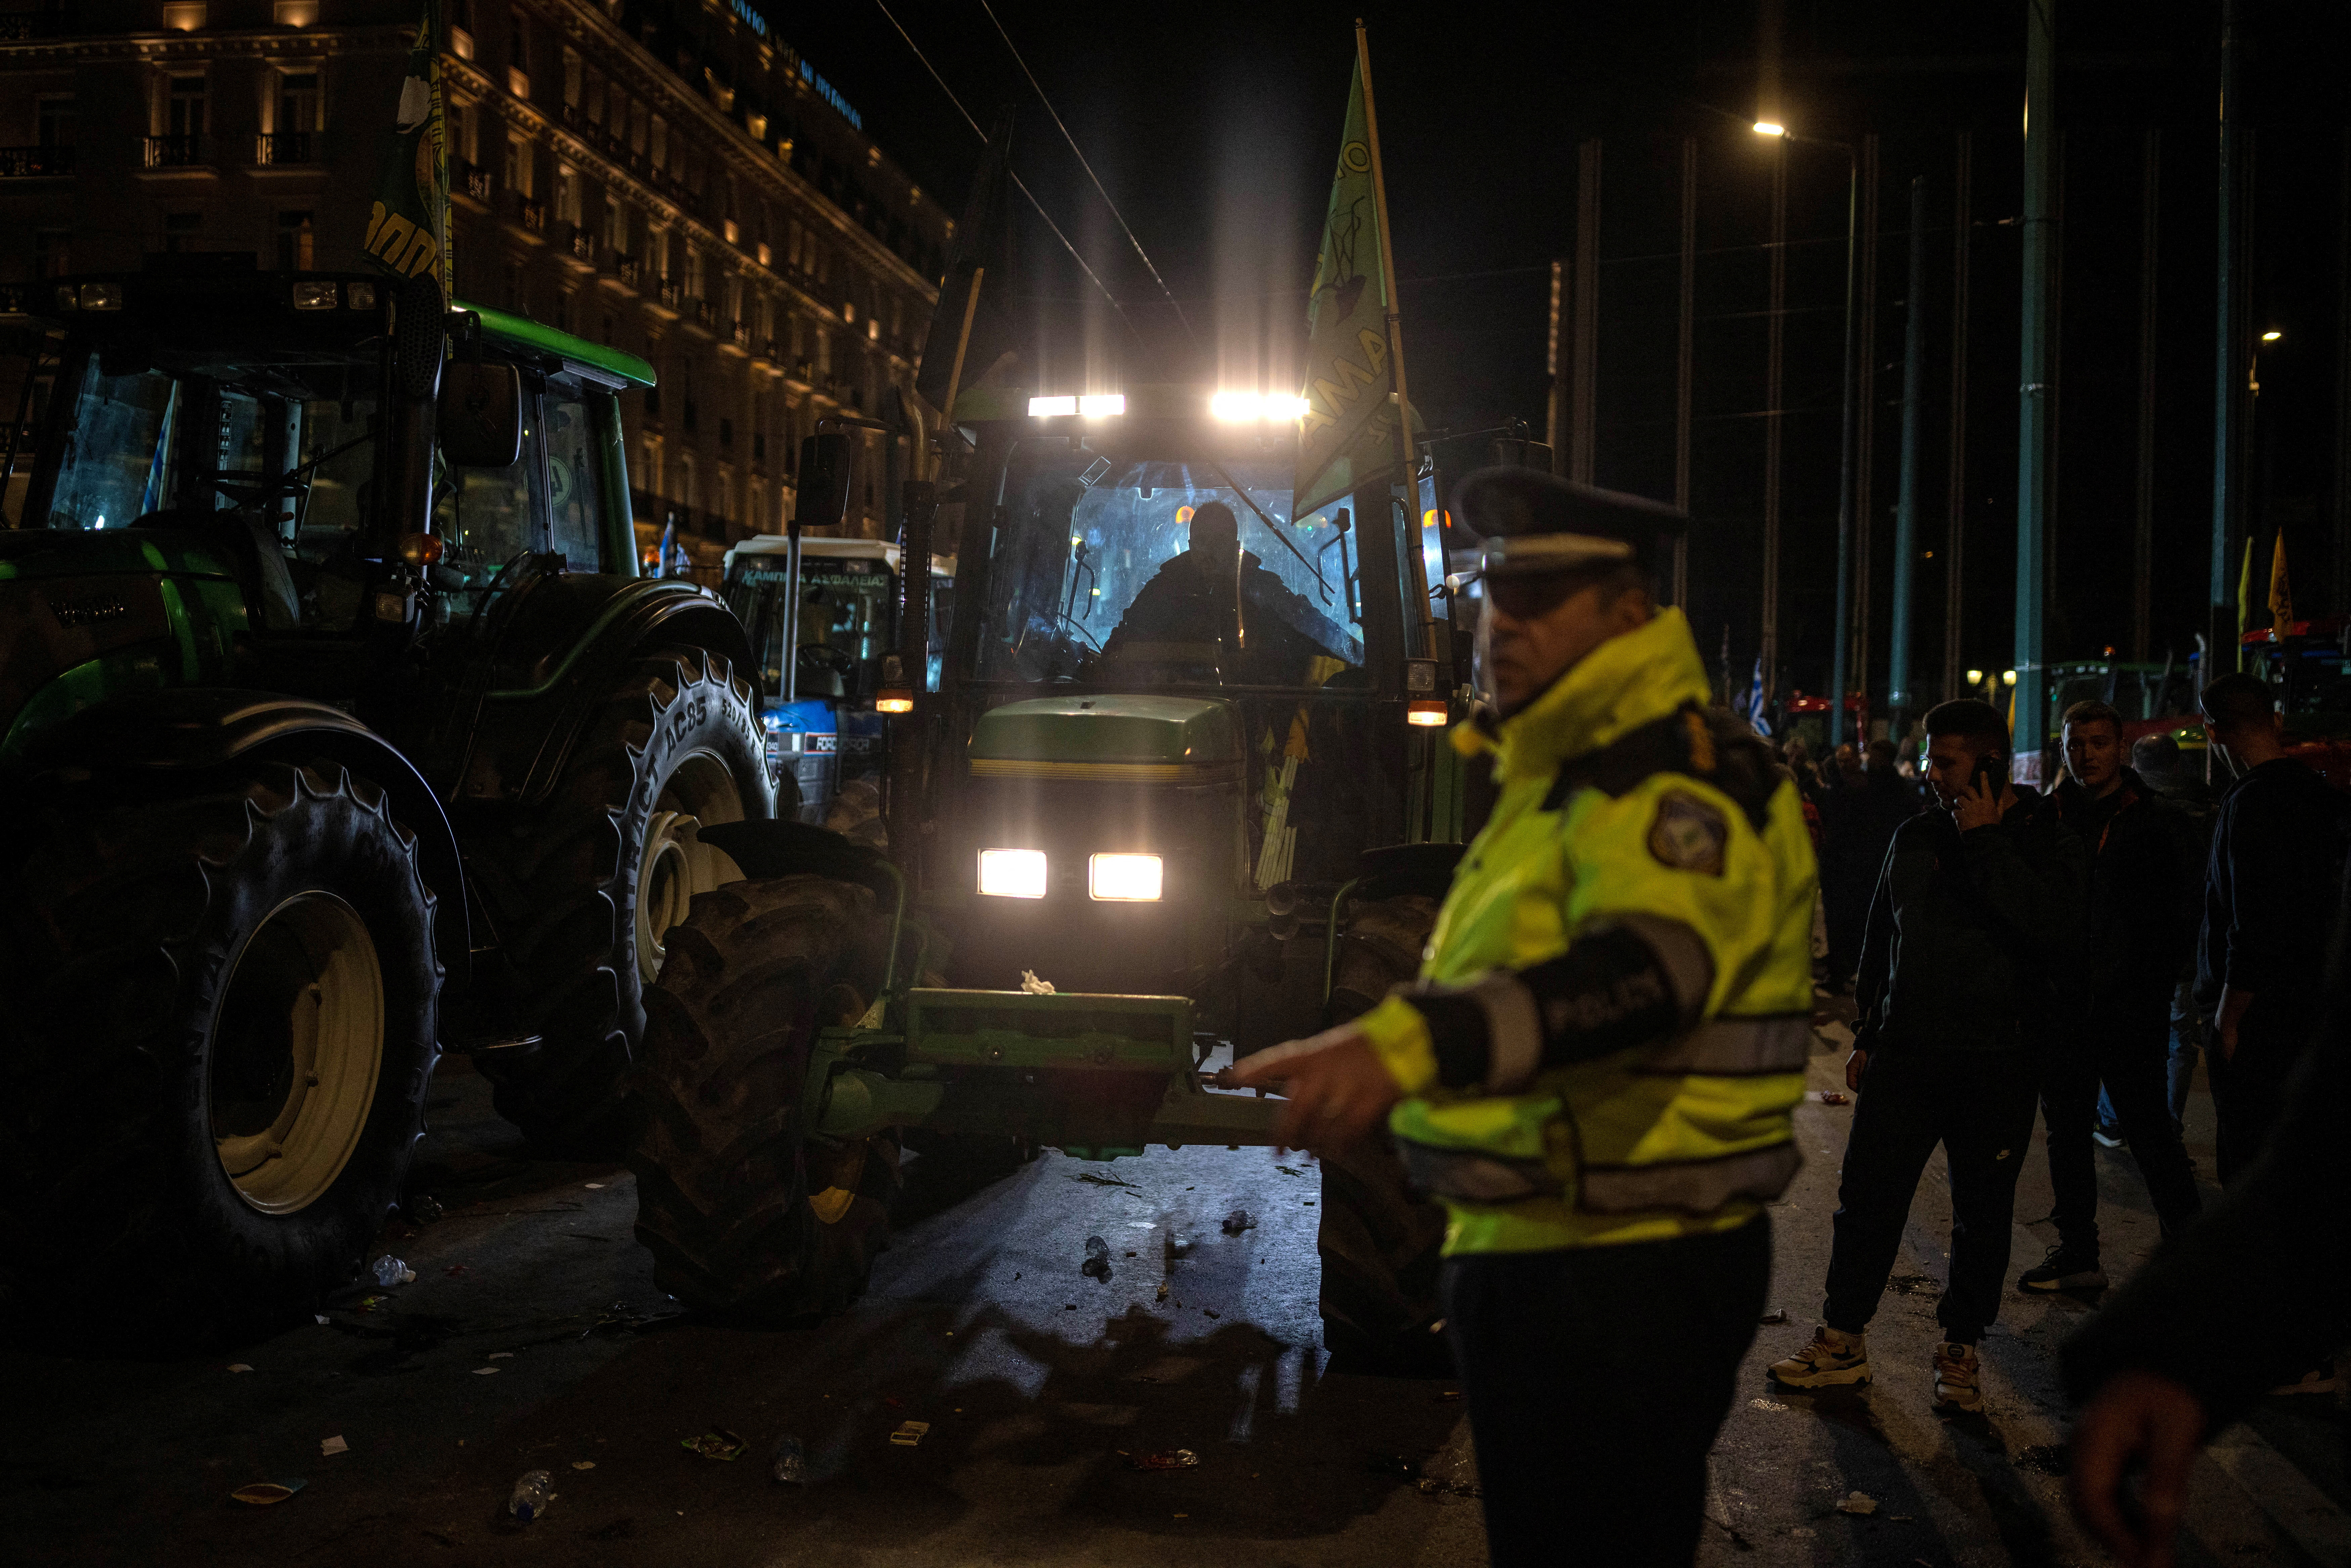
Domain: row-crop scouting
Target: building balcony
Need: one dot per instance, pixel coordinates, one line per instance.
(741, 335)
(582, 244)
(627, 270)
(704, 313)
(34, 162)
(671, 292)
(470, 179)
(288, 149)
(179, 152)
(531, 213)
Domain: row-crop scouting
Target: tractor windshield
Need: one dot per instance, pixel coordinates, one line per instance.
(1143, 571)
(154, 427)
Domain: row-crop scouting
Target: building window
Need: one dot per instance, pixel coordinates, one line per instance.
(58, 124)
(298, 101)
(297, 13)
(660, 143)
(183, 110)
(182, 232)
(616, 227)
(183, 15)
(693, 279)
(296, 251)
(727, 493)
(53, 252)
(519, 169)
(572, 80)
(685, 486)
(567, 196)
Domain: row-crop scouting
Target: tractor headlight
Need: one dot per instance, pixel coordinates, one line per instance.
(1012, 873)
(1126, 879)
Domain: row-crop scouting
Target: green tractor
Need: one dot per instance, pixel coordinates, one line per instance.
(339, 730)
(1163, 794)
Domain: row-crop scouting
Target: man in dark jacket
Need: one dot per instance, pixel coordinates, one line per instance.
(2277, 848)
(2164, 771)
(2140, 926)
(2189, 1343)
(1976, 914)
(1213, 611)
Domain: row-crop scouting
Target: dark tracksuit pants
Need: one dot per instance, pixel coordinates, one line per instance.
(1979, 1106)
(2249, 1088)
(1597, 1379)
(2121, 1042)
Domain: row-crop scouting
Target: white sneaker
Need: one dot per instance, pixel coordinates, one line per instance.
(1833, 1357)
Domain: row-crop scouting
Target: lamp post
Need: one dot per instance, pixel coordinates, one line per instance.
(1840, 674)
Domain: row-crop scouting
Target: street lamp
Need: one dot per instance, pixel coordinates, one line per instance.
(1840, 672)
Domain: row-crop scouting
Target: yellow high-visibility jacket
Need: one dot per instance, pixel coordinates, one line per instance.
(1608, 1037)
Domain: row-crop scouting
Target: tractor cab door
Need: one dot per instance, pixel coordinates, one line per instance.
(552, 498)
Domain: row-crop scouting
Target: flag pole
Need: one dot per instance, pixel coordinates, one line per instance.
(1416, 554)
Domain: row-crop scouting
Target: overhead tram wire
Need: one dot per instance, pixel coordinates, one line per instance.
(1018, 183)
(1126, 228)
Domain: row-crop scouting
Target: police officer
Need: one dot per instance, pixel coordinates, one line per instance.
(1597, 1067)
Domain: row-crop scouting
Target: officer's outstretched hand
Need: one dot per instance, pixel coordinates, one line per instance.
(1336, 1086)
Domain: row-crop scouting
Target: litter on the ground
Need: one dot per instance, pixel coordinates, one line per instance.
(909, 1433)
(1857, 1502)
(1776, 1315)
(1165, 1459)
(1832, 1097)
(1765, 1405)
(334, 1444)
(499, 1355)
(716, 1444)
(1448, 1396)
(1211, 1311)
(1290, 1170)
(1097, 1264)
(789, 1464)
(2049, 1459)
(389, 1271)
(485, 1371)
(583, 1464)
(319, 1317)
(1238, 1220)
(266, 1494)
(595, 1187)
(533, 1491)
(1310, 1203)
(239, 1366)
(1033, 985)
(1163, 1291)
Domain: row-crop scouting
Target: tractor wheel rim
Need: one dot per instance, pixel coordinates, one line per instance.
(672, 867)
(297, 1045)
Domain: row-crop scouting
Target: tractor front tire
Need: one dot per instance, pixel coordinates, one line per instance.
(584, 891)
(1379, 1239)
(749, 1215)
(221, 1020)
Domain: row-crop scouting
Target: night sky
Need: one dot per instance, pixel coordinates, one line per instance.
(1214, 128)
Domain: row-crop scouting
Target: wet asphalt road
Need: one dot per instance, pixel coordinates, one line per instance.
(534, 1338)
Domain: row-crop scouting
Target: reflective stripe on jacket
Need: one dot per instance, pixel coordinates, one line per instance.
(1614, 813)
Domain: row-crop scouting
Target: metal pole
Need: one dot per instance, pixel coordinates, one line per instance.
(2229, 363)
(2143, 536)
(1686, 343)
(1555, 410)
(1585, 346)
(2036, 401)
(1906, 500)
(2342, 605)
(1774, 358)
(1865, 477)
(1955, 542)
(1840, 674)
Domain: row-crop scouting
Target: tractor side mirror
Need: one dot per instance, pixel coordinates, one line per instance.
(824, 481)
(480, 417)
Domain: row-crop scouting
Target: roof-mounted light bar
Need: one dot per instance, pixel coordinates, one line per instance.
(1247, 405)
(1093, 405)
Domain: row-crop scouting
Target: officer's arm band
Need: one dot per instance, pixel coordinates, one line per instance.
(1628, 983)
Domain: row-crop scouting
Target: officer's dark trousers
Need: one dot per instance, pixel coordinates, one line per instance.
(1978, 1105)
(2249, 1088)
(2123, 1043)
(1597, 1378)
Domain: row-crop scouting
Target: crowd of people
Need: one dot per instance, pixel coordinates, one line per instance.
(2074, 952)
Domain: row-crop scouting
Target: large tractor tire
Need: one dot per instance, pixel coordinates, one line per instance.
(220, 1024)
(1379, 1239)
(584, 891)
(749, 1215)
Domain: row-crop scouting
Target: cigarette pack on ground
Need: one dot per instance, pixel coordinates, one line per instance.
(909, 1433)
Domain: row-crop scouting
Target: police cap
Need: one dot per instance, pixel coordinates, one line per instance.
(1532, 522)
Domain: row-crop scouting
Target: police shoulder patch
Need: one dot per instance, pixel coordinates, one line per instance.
(1688, 834)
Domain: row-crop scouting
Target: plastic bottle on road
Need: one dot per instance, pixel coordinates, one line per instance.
(389, 1272)
(531, 1495)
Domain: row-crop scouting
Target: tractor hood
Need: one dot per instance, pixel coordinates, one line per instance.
(1141, 738)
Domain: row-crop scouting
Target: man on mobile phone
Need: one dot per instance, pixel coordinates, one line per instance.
(1975, 915)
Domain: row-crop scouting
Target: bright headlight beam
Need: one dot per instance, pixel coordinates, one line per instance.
(1103, 406)
(1281, 405)
(1247, 405)
(1012, 873)
(1125, 878)
(1234, 405)
(1045, 407)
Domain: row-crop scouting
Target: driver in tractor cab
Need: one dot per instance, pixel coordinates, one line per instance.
(1213, 612)
(1598, 1067)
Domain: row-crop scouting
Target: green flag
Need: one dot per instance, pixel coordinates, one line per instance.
(1347, 435)
(408, 228)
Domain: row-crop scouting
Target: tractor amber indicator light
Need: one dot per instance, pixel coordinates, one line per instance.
(898, 700)
(1427, 713)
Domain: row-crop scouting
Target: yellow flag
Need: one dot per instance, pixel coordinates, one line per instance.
(2281, 593)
